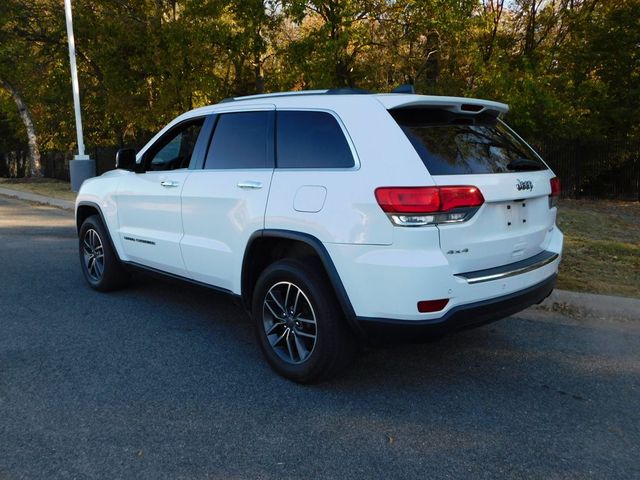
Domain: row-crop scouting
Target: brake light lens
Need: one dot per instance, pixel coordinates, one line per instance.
(417, 206)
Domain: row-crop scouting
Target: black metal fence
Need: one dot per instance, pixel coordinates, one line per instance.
(606, 170)
(14, 164)
(54, 163)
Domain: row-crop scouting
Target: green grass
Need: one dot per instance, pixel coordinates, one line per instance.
(43, 186)
(602, 247)
(602, 239)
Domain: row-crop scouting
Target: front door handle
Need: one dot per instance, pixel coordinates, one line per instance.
(250, 184)
(169, 183)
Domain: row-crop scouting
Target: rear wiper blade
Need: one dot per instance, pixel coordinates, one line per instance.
(522, 164)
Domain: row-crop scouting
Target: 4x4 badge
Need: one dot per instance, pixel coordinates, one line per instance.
(524, 185)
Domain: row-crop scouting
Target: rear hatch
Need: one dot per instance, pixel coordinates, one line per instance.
(472, 147)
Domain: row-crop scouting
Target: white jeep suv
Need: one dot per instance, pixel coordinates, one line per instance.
(333, 215)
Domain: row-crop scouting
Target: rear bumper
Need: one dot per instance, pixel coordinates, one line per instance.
(461, 317)
(388, 281)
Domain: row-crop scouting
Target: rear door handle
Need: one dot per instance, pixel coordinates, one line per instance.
(250, 184)
(169, 183)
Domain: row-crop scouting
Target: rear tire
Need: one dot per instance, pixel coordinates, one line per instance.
(299, 324)
(100, 265)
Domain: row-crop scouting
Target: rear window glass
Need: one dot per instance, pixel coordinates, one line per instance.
(452, 144)
(310, 140)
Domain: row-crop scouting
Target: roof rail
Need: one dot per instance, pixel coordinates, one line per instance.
(406, 88)
(332, 91)
(348, 91)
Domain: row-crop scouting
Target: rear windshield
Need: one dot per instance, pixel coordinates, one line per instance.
(454, 144)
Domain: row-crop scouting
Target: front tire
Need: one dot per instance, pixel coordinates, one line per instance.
(99, 263)
(299, 325)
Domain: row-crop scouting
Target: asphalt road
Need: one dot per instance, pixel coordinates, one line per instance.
(166, 381)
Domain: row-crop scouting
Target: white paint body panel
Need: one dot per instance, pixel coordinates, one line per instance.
(150, 219)
(383, 156)
(504, 230)
(218, 218)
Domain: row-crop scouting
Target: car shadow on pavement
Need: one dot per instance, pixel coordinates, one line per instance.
(504, 351)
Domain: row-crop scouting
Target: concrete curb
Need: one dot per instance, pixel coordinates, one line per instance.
(42, 199)
(563, 301)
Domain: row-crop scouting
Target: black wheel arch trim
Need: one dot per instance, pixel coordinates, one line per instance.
(96, 207)
(327, 263)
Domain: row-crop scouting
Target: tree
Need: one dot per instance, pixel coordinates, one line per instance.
(333, 36)
(572, 64)
(35, 169)
(12, 75)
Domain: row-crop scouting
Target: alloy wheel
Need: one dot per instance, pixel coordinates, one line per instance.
(289, 322)
(93, 255)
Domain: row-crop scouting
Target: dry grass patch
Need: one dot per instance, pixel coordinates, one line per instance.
(602, 247)
(42, 186)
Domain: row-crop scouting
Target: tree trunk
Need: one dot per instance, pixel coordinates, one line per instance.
(258, 73)
(529, 41)
(35, 169)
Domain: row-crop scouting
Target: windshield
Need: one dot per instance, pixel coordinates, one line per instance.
(453, 144)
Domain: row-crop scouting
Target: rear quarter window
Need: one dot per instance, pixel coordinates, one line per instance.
(455, 144)
(306, 139)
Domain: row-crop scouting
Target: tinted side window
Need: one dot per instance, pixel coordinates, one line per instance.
(311, 140)
(239, 140)
(175, 148)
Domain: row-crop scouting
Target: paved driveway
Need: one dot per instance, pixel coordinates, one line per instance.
(166, 381)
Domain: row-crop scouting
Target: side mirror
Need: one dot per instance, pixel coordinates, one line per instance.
(126, 159)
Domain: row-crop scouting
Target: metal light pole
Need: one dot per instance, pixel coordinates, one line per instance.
(82, 166)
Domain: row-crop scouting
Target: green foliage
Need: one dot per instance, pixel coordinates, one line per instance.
(568, 68)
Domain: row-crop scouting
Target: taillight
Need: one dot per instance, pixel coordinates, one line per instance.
(408, 199)
(458, 197)
(417, 206)
(555, 191)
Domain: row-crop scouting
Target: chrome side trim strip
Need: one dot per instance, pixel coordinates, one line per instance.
(517, 268)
